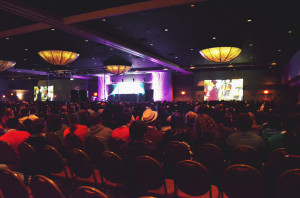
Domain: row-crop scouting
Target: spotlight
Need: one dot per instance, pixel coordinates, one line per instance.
(95, 94)
(266, 91)
(182, 93)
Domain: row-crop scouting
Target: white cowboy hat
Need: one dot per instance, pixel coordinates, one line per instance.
(149, 115)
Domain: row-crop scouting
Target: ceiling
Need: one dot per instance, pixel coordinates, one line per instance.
(152, 35)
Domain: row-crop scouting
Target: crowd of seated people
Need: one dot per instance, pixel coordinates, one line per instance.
(264, 126)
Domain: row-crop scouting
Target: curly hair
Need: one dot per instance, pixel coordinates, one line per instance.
(204, 127)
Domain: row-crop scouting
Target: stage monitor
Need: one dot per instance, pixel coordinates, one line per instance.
(229, 89)
(43, 93)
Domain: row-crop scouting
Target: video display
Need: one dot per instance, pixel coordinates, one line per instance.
(43, 93)
(229, 89)
(128, 88)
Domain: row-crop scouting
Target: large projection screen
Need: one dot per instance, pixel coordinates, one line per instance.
(43, 93)
(229, 89)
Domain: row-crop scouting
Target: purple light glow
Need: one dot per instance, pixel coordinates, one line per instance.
(162, 86)
(103, 80)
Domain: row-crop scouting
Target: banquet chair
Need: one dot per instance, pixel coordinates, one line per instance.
(11, 185)
(191, 178)
(43, 187)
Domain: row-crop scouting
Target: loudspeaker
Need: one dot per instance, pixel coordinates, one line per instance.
(149, 95)
(79, 95)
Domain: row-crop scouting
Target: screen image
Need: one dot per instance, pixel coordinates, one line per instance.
(43, 93)
(229, 89)
(128, 88)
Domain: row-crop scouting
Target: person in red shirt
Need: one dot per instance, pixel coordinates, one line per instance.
(14, 137)
(74, 127)
(122, 132)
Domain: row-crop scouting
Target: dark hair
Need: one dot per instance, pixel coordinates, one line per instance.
(33, 109)
(24, 111)
(244, 122)
(37, 126)
(73, 120)
(12, 123)
(124, 118)
(95, 119)
(27, 124)
(177, 120)
(137, 130)
(83, 117)
(53, 123)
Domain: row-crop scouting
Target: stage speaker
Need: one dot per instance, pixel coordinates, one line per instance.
(149, 95)
(79, 95)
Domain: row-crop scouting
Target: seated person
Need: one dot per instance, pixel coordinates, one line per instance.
(245, 134)
(54, 124)
(14, 137)
(122, 132)
(75, 128)
(98, 130)
(37, 139)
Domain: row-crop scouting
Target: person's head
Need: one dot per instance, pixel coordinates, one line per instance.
(177, 120)
(274, 121)
(24, 111)
(244, 122)
(33, 109)
(12, 123)
(95, 119)
(37, 126)
(9, 112)
(137, 130)
(124, 118)
(73, 120)
(190, 118)
(205, 126)
(27, 124)
(53, 123)
(83, 117)
(149, 116)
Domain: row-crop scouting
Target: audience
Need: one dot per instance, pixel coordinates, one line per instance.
(144, 128)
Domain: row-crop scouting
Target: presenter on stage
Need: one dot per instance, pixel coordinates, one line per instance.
(214, 92)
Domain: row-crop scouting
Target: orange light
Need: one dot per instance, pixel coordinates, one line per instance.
(3, 96)
(12, 94)
(266, 92)
(55, 96)
(182, 93)
(95, 94)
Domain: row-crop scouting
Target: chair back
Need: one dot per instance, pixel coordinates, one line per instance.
(43, 187)
(147, 173)
(93, 147)
(288, 184)
(245, 155)
(211, 157)
(12, 185)
(54, 140)
(176, 151)
(8, 155)
(51, 160)
(29, 160)
(79, 163)
(111, 167)
(114, 144)
(87, 192)
(242, 180)
(72, 141)
(192, 178)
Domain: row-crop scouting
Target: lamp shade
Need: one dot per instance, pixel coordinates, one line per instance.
(4, 65)
(220, 54)
(58, 57)
(117, 69)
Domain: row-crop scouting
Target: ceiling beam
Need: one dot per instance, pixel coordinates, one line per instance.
(32, 13)
(105, 13)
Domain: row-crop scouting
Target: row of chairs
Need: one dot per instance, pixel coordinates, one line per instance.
(12, 186)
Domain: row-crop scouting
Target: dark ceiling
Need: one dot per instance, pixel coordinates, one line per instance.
(267, 31)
